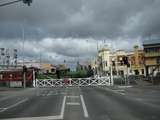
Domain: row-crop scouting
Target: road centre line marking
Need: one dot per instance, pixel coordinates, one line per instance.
(73, 103)
(84, 107)
(63, 107)
(14, 105)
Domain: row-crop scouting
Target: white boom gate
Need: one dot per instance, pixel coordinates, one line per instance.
(103, 81)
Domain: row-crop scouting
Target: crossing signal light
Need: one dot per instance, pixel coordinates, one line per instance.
(27, 2)
(113, 63)
(125, 61)
(24, 69)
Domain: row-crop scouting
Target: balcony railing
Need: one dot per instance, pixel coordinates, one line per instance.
(152, 54)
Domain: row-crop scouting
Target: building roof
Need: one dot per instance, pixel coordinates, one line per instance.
(103, 49)
(150, 42)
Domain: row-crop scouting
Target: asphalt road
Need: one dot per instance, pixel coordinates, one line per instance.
(81, 103)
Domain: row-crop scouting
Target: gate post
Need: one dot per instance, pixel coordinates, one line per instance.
(70, 82)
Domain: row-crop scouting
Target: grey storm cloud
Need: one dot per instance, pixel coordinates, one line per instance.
(62, 27)
(82, 18)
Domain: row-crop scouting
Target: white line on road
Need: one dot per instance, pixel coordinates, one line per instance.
(2, 108)
(14, 105)
(84, 107)
(4, 98)
(63, 107)
(73, 96)
(73, 103)
(125, 86)
(57, 117)
(120, 90)
(122, 93)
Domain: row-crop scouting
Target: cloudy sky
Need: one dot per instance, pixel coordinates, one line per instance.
(71, 29)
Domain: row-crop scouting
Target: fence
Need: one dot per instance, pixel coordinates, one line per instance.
(103, 81)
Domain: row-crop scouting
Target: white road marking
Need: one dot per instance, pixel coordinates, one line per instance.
(56, 117)
(37, 118)
(125, 86)
(120, 90)
(122, 93)
(73, 96)
(84, 107)
(14, 105)
(139, 99)
(46, 117)
(63, 107)
(2, 109)
(4, 98)
(73, 103)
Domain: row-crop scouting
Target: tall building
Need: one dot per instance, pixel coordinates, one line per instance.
(108, 60)
(137, 61)
(122, 63)
(152, 56)
(104, 61)
(121, 68)
(8, 58)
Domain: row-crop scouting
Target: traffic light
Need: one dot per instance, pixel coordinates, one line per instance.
(27, 2)
(125, 61)
(24, 69)
(113, 63)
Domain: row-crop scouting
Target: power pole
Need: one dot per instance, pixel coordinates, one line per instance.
(111, 81)
(24, 76)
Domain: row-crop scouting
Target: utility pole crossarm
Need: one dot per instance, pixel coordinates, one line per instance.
(9, 3)
(28, 2)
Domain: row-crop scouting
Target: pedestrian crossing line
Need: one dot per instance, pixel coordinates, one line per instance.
(73, 103)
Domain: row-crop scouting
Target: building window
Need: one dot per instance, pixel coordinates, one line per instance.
(142, 71)
(158, 60)
(136, 72)
(106, 63)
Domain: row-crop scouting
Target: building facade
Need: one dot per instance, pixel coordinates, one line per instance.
(120, 67)
(152, 57)
(48, 68)
(137, 61)
(103, 61)
(122, 63)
